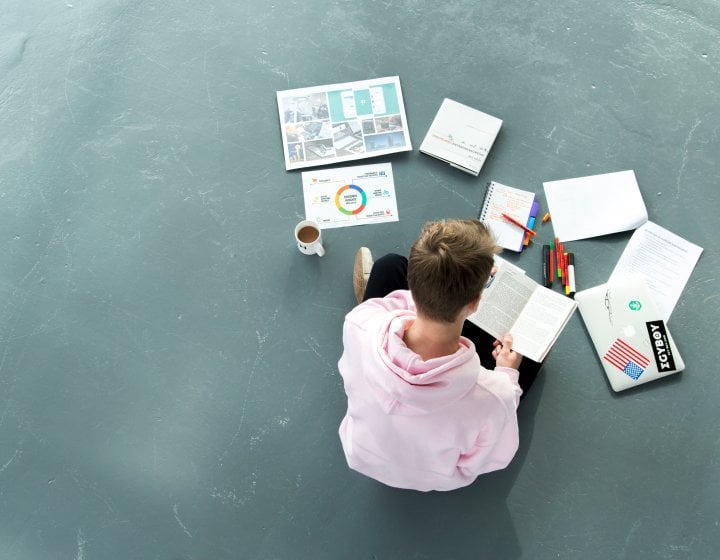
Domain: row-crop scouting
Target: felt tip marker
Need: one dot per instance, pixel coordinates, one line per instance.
(530, 225)
(558, 258)
(571, 274)
(518, 224)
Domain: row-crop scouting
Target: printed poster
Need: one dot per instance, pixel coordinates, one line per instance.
(342, 122)
(350, 196)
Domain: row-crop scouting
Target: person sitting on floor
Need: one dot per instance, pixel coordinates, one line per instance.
(432, 399)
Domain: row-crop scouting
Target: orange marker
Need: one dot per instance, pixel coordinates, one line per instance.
(546, 217)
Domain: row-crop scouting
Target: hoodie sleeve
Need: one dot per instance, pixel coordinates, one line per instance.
(494, 448)
(498, 439)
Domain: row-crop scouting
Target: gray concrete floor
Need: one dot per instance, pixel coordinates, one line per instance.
(168, 383)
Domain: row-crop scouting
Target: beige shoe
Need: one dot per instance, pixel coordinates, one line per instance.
(361, 272)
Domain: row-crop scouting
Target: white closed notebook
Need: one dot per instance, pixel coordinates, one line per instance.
(629, 334)
(461, 136)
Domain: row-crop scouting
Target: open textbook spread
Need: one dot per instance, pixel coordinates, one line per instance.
(533, 314)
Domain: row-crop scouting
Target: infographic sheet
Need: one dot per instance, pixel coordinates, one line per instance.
(341, 122)
(350, 196)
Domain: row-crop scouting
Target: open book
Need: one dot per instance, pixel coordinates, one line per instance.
(533, 314)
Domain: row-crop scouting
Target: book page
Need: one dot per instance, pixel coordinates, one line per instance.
(592, 206)
(663, 259)
(504, 263)
(502, 302)
(541, 322)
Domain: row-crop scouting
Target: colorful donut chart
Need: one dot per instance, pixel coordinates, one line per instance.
(339, 196)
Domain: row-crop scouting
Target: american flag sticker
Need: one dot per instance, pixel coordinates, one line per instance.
(626, 359)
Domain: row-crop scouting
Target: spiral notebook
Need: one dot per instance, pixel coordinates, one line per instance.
(518, 203)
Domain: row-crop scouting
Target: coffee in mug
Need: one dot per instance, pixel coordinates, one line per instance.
(309, 238)
(308, 234)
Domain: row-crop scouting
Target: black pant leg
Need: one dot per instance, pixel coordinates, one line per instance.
(389, 273)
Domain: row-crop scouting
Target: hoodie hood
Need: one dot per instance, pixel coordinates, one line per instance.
(417, 386)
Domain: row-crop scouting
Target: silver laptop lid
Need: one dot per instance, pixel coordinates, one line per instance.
(629, 335)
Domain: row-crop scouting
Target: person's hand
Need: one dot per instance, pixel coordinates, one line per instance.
(503, 353)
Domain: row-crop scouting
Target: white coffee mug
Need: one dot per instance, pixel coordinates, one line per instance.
(309, 238)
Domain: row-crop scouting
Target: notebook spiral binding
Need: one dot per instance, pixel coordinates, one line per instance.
(482, 214)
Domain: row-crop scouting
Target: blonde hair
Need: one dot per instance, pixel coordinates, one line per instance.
(449, 265)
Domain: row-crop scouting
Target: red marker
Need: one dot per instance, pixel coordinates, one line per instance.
(558, 257)
(518, 224)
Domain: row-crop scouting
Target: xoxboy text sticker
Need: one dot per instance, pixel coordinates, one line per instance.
(660, 346)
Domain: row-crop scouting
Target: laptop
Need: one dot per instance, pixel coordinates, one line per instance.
(629, 335)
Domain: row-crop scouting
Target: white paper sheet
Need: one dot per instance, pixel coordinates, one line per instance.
(664, 259)
(597, 205)
(350, 196)
(333, 123)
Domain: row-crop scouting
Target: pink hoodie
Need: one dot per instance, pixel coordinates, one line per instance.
(424, 425)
